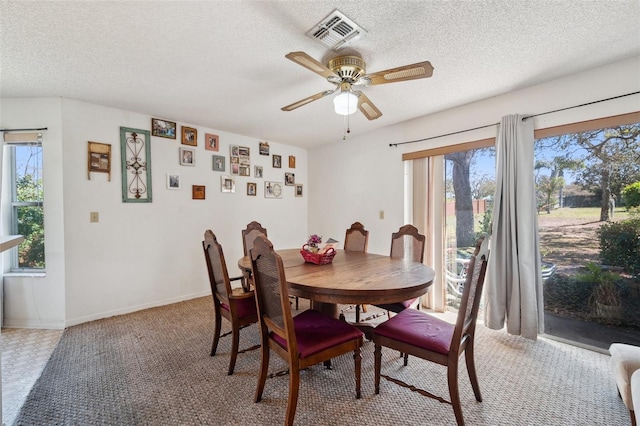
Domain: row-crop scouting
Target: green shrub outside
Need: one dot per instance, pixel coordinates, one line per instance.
(631, 195)
(620, 244)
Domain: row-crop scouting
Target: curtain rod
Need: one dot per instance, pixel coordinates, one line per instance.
(22, 130)
(523, 118)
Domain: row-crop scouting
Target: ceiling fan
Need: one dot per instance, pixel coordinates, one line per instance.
(347, 72)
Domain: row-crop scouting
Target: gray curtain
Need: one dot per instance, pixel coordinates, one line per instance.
(513, 291)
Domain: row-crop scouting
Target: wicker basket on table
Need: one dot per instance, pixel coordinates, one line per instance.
(317, 258)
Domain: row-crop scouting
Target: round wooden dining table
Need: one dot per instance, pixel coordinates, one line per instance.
(352, 278)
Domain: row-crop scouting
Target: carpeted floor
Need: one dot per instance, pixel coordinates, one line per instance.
(153, 368)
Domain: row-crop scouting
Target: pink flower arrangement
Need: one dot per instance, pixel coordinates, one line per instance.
(314, 240)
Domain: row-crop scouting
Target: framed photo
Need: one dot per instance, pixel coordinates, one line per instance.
(252, 189)
(276, 161)
(264, 148)
(211, 142)
(163, 128)
(292, 162)
(298, 190)
(173, 181)
(240, 160)
(189, 136)
(99, 159)
(289, 179)
(218, 163)
(272, 190)
(187, 157)
(227, 184)
(197, 192)
(258, 172)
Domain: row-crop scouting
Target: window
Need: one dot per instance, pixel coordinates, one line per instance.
(27, 209)
(585, 223)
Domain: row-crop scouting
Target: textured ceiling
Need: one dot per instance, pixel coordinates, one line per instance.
(221, 64)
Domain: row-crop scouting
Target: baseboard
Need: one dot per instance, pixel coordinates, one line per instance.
(130, 309)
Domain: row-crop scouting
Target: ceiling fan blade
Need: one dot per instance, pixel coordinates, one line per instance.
(404, 73)
(309, 63)
(305, 101)
(367, 107)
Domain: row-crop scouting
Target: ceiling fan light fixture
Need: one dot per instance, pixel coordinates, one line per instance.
(345, 103)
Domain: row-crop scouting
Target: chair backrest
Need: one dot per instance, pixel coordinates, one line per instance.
(250, 233)
(272, 292)
(408, 243)
(356, 238)
(470, 300)
(217, 267)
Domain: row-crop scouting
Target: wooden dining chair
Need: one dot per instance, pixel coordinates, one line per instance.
(424, 336)
(234, 304)
(249, 234)
(357, 239)
(407, 243)
(307, 339)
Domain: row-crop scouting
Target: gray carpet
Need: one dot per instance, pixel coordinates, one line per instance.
(153, 368)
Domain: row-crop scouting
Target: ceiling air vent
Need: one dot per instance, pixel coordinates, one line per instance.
(335, 30)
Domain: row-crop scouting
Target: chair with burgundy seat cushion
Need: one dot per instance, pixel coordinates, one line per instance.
(234, 304)
(424, 336)
(407, 243)
(307, 339)
(357, 239)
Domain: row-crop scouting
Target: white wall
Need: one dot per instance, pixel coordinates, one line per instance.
(366, 175)
(139, 254)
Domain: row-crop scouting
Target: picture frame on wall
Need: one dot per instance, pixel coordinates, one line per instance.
(258, 172)
(227, 184)
(189, 136)
(289, 179)
(276, 161)
(219, 163)
(187, 156)
(252, 189)
(298, 190)
(211, 142)
(173, 181)
(135, 157)
(240, 160)
(99, 159)
(292, 162)
(198, 192)
(272, 189)
(264, 148)
(163, 128)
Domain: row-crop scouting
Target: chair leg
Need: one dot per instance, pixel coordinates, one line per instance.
(235, 342)
(452, 379)
(471, 369)
(294, 386)
(216, 331)
(264, 368)
(377, 363)
(357, 314)
(406, 359)
(357, 358)
(633, 418)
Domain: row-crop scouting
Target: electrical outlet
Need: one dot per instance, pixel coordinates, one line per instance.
(94, 217)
